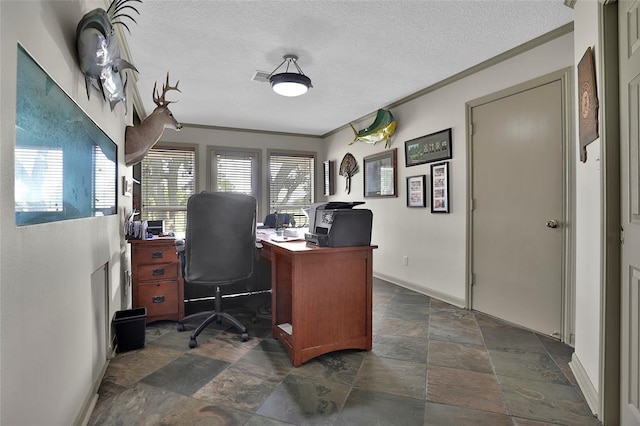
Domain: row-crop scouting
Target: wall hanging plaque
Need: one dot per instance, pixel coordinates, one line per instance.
(429, 148)
(587, 102)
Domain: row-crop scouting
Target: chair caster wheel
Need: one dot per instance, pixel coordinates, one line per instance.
(245, 337)
(193, 343)
(180, 327)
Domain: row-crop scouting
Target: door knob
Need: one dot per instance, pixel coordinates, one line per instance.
(552, 223)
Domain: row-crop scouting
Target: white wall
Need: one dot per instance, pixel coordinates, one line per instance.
(205, 137)
(436, 243)
(588, 221)
(46, 314)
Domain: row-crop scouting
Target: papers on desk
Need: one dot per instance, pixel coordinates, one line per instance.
(284, 238)
(287, 234)
(265, 234)
(286, 327)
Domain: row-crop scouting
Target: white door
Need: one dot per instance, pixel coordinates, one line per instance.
(629, 56)
(517, 227)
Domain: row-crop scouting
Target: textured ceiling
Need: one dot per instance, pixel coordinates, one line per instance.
(360, 55)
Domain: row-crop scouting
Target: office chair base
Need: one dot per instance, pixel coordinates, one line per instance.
(212, 316)
(218, 315)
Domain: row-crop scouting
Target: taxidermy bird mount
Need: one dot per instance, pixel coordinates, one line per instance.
(381, 129)
(139, 139)
(348, 168)
(99, 52)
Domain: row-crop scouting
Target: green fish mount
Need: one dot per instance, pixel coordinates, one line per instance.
(380, 130)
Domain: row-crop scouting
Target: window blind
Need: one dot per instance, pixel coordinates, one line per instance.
(291, 184)
(104, 182)
(168, 180)
(236, 172)
(39, 180)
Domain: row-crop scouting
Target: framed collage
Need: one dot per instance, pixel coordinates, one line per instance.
(416, 191)
(440, 188)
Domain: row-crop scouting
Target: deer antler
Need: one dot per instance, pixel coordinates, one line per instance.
(160, 100)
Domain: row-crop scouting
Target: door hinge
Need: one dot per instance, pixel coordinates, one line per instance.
(473, 204)
(621, 235)
(472, 279)
(471, 129)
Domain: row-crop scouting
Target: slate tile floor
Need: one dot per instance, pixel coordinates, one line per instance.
(431, 364)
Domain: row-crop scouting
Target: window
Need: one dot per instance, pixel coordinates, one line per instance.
(291, 184)
(168, 180)
(235, 171)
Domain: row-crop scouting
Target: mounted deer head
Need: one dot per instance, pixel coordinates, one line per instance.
(140, 139)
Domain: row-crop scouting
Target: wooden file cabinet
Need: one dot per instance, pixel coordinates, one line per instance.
(156, 279)
(321, 298)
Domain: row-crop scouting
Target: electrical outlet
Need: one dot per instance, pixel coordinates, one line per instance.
(405, 260)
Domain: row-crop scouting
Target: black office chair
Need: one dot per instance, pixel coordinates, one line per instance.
(220, 246)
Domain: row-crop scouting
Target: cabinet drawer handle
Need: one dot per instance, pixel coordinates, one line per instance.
(157, 299)
(158, 272)
(157, 254)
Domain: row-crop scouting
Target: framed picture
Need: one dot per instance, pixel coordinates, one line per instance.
(327, 178)
(416, 191)
(440, 188)
(380, 179)
(587, 102)
(429, 148)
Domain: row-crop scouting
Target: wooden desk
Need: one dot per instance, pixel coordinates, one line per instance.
(156, 280)
(321, 298)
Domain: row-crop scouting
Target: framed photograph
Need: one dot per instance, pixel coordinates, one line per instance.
(416, 191)
(587, 103)
(440, 188)
(428, 149)
(380, 178)
(327, 178)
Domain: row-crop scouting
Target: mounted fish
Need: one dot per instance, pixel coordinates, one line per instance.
(140, 139)
(348, 168)
(381, 129)
(99, 52)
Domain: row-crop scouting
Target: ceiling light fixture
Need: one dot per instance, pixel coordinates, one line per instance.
(289, 83)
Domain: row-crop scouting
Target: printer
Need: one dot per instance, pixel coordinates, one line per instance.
(338, 224)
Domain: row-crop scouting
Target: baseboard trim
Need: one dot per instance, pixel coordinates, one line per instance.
(82, 419)
(586, 386)
(426, 291)
(86, 413)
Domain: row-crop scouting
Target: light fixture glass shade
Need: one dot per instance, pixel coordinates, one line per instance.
(290, 84)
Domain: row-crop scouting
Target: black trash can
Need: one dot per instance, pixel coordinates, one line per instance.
(130, 328)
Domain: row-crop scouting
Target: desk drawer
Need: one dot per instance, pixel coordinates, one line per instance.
(162, 271)
(265, 253)
(160, 298)
(156, 253)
